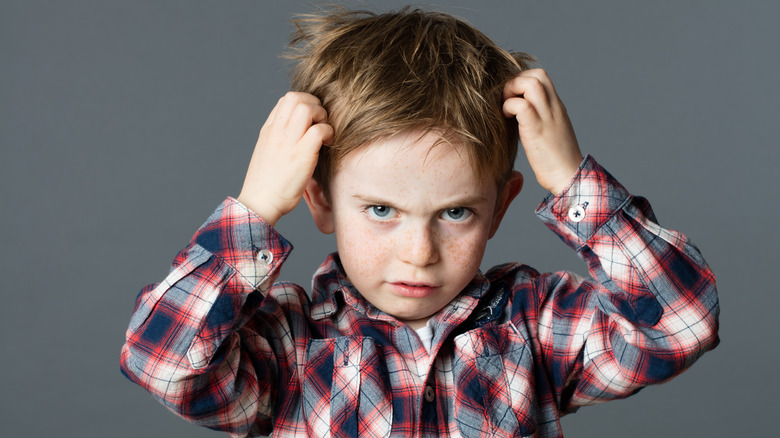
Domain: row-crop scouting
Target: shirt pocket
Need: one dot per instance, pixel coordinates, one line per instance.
(493, 377)
(346, 389)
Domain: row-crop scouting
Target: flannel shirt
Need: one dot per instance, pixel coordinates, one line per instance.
(219, 343)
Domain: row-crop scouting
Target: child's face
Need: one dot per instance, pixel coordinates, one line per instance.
(411, 223)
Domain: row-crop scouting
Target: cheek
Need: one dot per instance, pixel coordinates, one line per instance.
(360, 251)
(467, 251)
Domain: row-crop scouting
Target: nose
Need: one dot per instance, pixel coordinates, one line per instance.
(421, 246)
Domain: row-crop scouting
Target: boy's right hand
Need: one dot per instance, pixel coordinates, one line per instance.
(285, 156)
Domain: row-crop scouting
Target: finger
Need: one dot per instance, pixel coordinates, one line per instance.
(527, 87)
(287, 104)
(521, 109)
(316, 136)
(529, 78)
(515, 86)
(551, 95)
(328, 133)
(304, 116)
(302, 97)
(542, 76)
(532, 90)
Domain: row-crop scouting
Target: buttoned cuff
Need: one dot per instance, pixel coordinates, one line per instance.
(592, 197)
(243, 240)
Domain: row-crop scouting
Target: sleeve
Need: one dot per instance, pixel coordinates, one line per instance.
(648, 312)
(188, 342)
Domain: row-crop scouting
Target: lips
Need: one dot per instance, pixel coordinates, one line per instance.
(413, 290)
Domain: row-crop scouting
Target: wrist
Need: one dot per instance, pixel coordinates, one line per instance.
(268, 214)
(563, 177)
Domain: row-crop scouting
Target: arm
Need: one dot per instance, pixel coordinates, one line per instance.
(206, 342)
(650, 309)
(188, 343)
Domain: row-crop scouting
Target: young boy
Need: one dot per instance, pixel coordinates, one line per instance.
(401, 137)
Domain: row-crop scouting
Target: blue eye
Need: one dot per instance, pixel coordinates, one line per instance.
(380, 212)
(456, 214)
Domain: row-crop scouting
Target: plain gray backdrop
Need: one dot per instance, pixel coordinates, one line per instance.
(124, 124)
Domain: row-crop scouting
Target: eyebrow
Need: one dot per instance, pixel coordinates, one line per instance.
(467, 201)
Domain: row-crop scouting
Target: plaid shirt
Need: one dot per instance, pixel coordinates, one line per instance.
(219, 343)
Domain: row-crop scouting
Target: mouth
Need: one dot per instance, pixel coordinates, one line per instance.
(413, 290)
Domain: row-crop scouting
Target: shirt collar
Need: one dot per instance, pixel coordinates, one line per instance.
(331, 290)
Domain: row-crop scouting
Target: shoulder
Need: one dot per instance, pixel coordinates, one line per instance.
(512, 272)
(289, 297)
(518, 276)
(530, 290)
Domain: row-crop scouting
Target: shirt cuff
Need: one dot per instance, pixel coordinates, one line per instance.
(592, 197)
(243, 240)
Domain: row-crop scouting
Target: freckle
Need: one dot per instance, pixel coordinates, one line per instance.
(455, 250)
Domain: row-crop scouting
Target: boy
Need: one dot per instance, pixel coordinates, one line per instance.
(401, 138)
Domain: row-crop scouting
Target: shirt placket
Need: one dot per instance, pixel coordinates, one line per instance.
(434, 395)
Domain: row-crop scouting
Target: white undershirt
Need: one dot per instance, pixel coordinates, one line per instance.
(425, 333)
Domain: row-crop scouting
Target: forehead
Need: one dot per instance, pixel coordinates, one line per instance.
(411, 164)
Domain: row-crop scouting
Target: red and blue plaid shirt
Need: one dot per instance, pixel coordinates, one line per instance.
(219, 343)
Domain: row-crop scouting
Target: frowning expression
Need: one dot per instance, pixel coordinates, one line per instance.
(412, 221)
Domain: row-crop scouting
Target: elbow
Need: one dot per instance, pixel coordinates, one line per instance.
(696, 327)
(167, 387)
(705, 333)
(646, 356)
(688, 327)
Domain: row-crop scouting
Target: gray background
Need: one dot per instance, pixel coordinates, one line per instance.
(123, 124)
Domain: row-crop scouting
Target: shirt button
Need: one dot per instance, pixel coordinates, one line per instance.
(576, 213)
(265, 257)
(430, 394)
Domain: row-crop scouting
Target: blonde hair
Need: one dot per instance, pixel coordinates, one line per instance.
(382, 74)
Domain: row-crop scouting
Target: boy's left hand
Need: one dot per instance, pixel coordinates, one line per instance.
(545, 129)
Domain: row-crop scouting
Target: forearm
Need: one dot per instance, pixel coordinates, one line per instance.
(654, 302)
(185, 343)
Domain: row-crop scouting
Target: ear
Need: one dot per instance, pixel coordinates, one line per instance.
(510, 190)
(319, 206)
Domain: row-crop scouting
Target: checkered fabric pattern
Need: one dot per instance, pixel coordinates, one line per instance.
(219, 343)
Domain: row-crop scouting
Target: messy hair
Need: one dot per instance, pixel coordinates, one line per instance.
(378, 75)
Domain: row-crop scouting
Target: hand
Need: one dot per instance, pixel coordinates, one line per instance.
(545, 129)
(285, 156)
